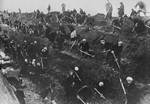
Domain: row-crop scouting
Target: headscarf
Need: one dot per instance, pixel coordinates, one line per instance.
(141, 7)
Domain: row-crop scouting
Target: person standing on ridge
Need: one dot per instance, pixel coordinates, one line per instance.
(109, 9)
(121, 10)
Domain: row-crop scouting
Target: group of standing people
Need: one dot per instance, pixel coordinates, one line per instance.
(140, 6)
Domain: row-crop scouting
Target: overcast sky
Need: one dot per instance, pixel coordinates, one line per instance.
(90, 6)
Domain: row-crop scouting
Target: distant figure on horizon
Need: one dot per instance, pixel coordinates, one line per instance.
(19, 10)
(121, 10)
(109, 9)
(63, 6)
(141, 8)
(133, 13)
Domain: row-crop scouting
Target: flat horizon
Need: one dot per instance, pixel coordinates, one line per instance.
(89, 6)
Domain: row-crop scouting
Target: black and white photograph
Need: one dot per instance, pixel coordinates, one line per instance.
(74, 51)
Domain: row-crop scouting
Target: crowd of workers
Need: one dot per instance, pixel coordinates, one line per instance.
(34, 54)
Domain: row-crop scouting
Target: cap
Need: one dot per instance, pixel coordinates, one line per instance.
(38, 64)
(44, 48)
(71, 73)
(112, 52)
(33, 60)
(26, 60)
(84, 40)
(101, 84)
(102, 41)
(12, 41)
(35, 41)
(129, 79)
(47, 24)
(76, 68)
(25, 41)
(120, 43)
(53, 102)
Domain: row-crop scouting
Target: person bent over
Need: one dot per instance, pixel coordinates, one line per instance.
(84, 47)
